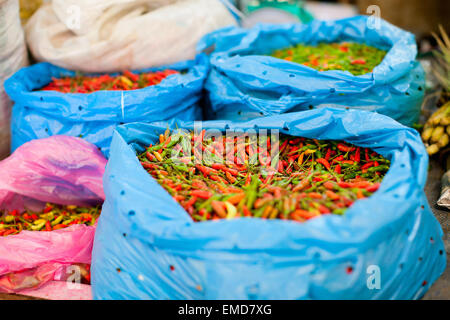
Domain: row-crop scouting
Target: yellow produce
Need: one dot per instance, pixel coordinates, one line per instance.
(27, 8)
(437, 134)
(432, 149)
(443, 141)
(436, 131)
(426, 134)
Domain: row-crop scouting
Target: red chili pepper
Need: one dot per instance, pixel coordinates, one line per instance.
(367, 165)
(48, 226)
(373, 187)
(201, 194)
(230, 177)
(150, 156)
(283, 146)
(358, 61)
(8, 232)
(323, 209)
(343, 184)
(337, 169)
(330, 194)
(60, 226)
(205, 170)
(324, 162)
(342, 147)
(48, 209)
(338, 158)
(357, 157)
(329, 185)
(328, 154)
(246, 212)
(190, 202)
(366, 151)
(314, 195)
(359, 184)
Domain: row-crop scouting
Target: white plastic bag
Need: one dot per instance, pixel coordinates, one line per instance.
(13, 55)
(112, 35)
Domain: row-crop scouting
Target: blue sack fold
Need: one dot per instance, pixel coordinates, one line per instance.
(244, 83)
(93, 116)
(147, 247)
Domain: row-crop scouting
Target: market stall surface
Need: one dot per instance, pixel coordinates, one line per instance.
(439, 290)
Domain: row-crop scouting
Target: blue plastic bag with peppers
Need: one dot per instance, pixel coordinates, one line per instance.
(246, 82)
(42, 113)
(148, 247)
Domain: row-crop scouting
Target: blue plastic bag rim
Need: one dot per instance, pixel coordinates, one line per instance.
(15, 87)
(184, 235)
(405, 39)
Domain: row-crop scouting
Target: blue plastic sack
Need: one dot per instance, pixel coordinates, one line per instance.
(142, 231)
(40, 114)
(244, 84)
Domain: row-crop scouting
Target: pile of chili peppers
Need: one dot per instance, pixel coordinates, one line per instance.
(125, 81)
(53, 217)
(356, 58)
(307, 178)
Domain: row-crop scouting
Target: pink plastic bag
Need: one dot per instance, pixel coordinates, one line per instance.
(59, 169)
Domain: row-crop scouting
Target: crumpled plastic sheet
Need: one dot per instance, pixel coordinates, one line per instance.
(59, 169)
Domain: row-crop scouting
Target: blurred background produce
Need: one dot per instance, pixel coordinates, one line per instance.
(27, 8)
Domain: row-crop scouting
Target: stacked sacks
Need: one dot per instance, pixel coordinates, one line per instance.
(113, 35)
(13, 55)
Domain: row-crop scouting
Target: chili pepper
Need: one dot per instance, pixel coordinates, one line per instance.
(294, 181)
(125, 81)
(328, 155)
(367, 165)
(338, 158)
(354, 57)
(236, 198)
(329, 185)
(324, 162)
(331, 195)
(304, 214)
(201, 194)
(358, 154)
(48, 226)
(344, 148)
(366, 153)
(219, 208)
(373, 188)
(9, 232)
(343, 184)
(358, 61)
